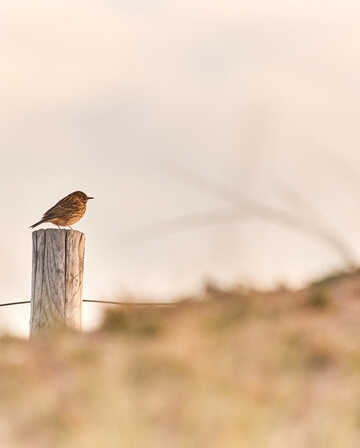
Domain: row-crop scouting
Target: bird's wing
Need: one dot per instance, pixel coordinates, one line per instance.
(63, 207)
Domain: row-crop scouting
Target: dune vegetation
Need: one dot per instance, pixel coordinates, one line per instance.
(228, 368)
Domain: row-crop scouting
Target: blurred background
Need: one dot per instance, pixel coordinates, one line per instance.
(220, 140)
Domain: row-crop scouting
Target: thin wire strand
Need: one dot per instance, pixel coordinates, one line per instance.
(106, 302)
(14, 303)
(114, 302)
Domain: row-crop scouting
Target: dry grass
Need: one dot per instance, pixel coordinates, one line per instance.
(228, 369)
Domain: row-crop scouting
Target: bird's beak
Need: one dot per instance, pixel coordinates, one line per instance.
(89, 197)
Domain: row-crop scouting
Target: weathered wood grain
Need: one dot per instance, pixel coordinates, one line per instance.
(57, 278)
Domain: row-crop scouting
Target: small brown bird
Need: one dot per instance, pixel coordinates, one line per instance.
(66, 212)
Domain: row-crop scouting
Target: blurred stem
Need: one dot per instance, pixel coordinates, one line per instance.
(253, 208)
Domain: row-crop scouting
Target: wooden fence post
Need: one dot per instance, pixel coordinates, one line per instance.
(57, 279)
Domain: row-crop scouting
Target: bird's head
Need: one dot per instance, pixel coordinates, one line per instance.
(82, 196)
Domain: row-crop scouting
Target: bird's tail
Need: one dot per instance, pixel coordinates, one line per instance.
(37, 223)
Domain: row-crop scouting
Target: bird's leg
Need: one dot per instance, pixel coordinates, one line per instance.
(71, 228)
(58, 227)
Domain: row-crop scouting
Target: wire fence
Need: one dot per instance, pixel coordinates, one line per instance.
(15, 303)
(105, 302)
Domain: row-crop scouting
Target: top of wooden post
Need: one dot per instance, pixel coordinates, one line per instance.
(57, 230)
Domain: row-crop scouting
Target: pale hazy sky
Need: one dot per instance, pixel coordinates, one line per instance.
(262, 97)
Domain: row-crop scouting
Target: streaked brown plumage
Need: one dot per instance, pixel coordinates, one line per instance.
(66, 212)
